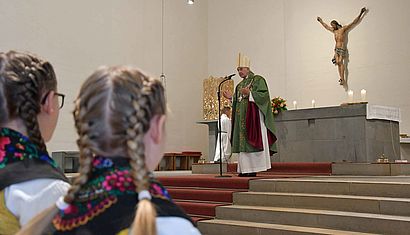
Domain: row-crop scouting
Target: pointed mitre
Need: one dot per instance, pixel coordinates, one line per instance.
(243, 61)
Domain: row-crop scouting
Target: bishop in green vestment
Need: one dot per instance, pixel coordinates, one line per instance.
(252, 122)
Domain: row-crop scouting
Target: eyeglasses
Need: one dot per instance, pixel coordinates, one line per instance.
(60, 99)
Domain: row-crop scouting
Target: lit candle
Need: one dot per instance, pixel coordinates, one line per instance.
(363, 95)
(295, 105)
(350, 96)
(313, 103)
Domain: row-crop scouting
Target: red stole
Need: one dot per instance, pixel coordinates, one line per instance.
(253, 128)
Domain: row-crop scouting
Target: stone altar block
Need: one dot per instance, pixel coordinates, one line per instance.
(336, 134)
(212, 137)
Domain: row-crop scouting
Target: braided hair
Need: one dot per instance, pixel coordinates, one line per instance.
(112, 115)
(25, 79)
(113, 112)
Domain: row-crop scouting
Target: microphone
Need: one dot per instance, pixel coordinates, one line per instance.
(230, 76)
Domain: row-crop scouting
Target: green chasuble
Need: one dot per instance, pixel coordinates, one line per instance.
(260, 93)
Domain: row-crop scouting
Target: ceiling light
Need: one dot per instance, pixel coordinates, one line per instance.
(190, 2)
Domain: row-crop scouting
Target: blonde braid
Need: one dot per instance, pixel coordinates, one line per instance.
(86, 153)
(144, 222)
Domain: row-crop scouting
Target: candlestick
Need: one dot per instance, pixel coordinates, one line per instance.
(350, 96)
(295, 105)
(313, 103)
(363, 95)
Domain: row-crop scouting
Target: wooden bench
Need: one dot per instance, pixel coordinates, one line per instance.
(186, 158)
(169, 159)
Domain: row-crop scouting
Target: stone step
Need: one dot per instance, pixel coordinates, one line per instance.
(375, 169)
(227, 227)
(363, 204)
(332, 186)
(339, 220)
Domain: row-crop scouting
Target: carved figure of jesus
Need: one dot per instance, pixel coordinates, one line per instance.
(340, 37)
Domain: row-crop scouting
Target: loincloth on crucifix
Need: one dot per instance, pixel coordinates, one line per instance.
(339, 51)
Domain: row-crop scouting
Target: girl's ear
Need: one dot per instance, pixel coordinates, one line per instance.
(48, 105)
(157, 128)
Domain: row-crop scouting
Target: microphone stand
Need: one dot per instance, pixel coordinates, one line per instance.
(220, 129)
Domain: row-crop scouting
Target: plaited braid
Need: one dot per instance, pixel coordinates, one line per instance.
(26, 79)
(150, 102)
(138, 125)
(86, 153)
(136, 149)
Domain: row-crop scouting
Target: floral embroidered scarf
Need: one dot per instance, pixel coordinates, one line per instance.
(110, 183)
(15, 147)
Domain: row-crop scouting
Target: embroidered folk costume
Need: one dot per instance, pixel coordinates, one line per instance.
(30, 180)
(106, 203)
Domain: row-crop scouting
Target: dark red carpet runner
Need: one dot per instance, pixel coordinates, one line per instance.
(199, 195)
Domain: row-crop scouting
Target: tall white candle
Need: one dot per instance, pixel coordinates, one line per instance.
(313, 103)
(350, 96)
(363, 95)
(295, 105)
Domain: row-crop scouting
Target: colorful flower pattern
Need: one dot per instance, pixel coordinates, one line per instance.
(109, 179)
(16, 147)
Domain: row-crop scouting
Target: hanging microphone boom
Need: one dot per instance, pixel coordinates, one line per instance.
(230, 76)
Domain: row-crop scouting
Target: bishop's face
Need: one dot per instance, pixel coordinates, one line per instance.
(243, 72)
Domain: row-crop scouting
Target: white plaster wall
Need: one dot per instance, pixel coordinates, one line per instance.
(254, 28)
(78, 36)
(293, 51)
(282, 37)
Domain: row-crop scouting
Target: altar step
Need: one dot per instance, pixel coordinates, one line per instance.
(316, 205)
(235, 227)
(314, 168)
(397, 187)
(199, 195)
(288, 168)
(362, 204)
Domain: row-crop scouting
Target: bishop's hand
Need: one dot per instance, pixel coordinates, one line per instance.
(245, 91)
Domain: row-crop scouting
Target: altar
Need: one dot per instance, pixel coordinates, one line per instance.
(212, 138)
(350, 133)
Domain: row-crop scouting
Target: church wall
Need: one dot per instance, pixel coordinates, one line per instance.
(293, 51)
(282, 37)
(254, 28)
(79, 36)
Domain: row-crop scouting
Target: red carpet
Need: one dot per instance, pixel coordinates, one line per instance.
(204, 195)
(205, 181)
(199, 195)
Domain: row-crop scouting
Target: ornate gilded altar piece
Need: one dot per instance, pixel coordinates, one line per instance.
(210, 96)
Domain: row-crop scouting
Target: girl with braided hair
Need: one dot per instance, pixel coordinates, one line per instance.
(120, 119)
(30, 180)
